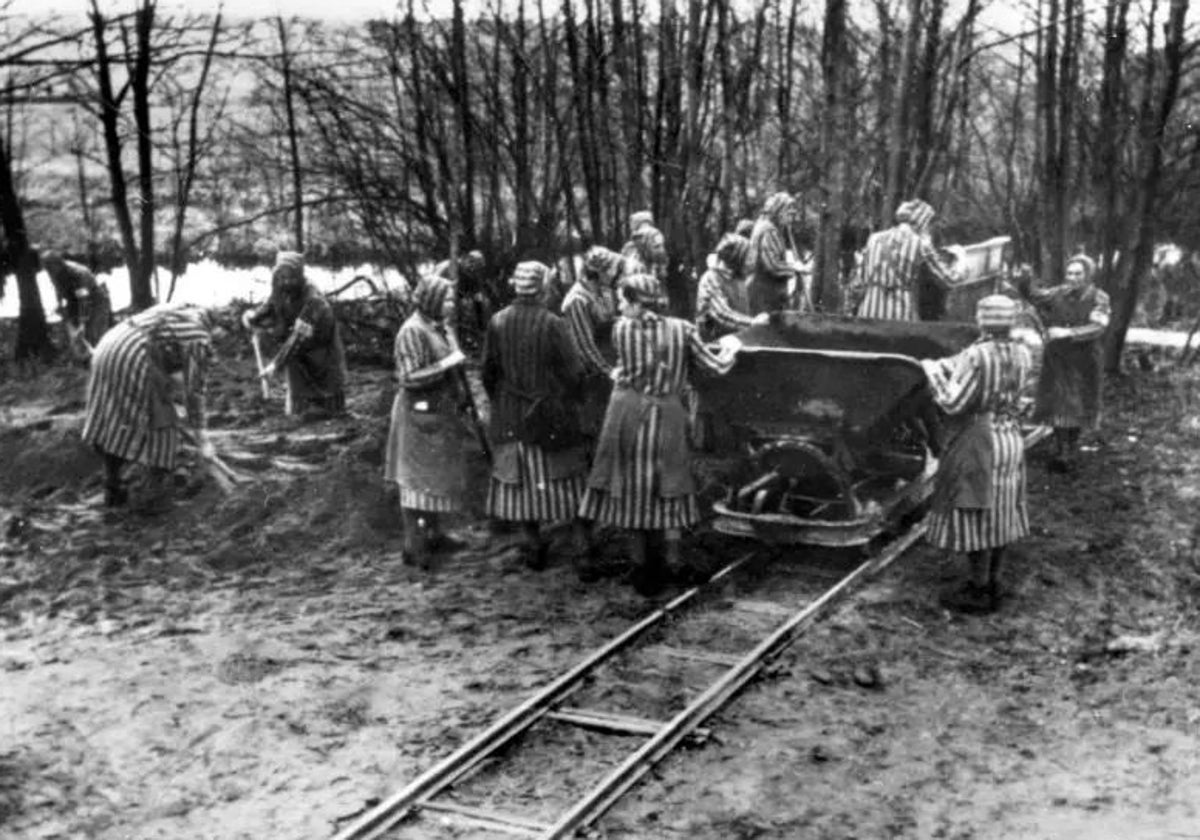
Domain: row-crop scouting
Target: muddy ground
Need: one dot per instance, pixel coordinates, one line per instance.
(261, 665)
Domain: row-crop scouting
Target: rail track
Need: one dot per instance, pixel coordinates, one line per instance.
(717, 637)
(719, 611)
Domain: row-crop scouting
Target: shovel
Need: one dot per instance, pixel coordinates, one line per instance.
(258, 360)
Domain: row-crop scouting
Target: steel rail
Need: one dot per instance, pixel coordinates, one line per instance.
(610, 789)
(390, 812)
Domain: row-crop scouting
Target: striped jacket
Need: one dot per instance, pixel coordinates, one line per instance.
(529, 359)
(721, 303)
(131, 397)
(587, 314)
(889, 275)
(979, 501)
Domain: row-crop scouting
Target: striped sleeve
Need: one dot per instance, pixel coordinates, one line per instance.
(955, 391)
(1097, 319)
(941, 271)
(414, 359)
(701, 355)
(771, 256)
(712, 301)
(583, 335)
(195, 379)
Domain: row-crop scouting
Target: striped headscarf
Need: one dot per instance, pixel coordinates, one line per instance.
(640, 219)
(528, 278)
(777, 205)
(733, 251)
(920, 214)
(602, 264)
(1089, 265)
(430, 296)
(904, 213)
(996, 312)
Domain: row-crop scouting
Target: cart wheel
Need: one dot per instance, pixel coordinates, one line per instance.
(818, 475)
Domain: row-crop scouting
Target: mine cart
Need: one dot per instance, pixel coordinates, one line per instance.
(983, 265)
(831, 426)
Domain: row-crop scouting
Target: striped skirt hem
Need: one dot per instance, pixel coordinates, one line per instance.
(536, 497)
(977, 530)
(639, 512)
(420, 500)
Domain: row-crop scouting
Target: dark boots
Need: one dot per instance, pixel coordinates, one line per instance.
(981, 593)
(536, 553)
(416, 538)
(649, 575)
(115, 493)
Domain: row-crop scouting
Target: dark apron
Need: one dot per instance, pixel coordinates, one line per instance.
(427, 445)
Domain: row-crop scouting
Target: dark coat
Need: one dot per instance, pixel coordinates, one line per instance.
(533, 377)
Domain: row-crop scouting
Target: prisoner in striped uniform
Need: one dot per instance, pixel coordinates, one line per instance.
(311, 352)
(641, 479)
(466, 302)
(590, 310)
(646, 248)
(887, 283)
(140, 369)
(771, 271)
(427, 440)
(979, 498)
(721, 303)
(533, 378)
(1075, 315)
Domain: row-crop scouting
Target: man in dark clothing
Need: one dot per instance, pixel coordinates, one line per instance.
(533, 378)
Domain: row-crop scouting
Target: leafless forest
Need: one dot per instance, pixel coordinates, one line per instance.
(154, 138)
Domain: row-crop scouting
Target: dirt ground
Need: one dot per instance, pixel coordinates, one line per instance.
(260, 664)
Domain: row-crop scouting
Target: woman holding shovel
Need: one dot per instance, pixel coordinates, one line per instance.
(311, 353)
(140, 369)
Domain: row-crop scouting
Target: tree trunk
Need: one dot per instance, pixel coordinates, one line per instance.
(898, 137)
(109, 121)
(1153, 130)
(33, 337)
(835, 144)
(292, 134)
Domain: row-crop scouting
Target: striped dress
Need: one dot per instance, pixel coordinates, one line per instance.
(588, 315)
(981, 386)
(890, 269)
(131, 399)
(654, 356)
(419, 344)
(721, 303)
(767, 289)
(529, 362)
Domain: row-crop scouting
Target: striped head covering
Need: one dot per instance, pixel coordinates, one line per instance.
(602, 264)
(644, 289)
(1089, 265)
(777, 205)
(733, 251)
(528, 278)
(430, 296)
(996, 312)
(640, 219)
(920, 213)
(904, 213)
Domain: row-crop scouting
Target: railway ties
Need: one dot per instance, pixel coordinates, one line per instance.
(621, 710)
